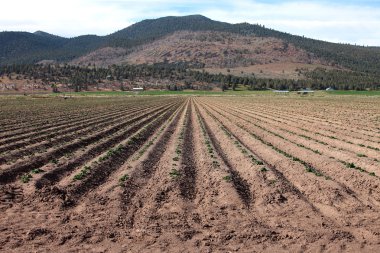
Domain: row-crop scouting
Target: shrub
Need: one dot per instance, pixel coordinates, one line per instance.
(26, 178)
(37, 171)
(124, 178)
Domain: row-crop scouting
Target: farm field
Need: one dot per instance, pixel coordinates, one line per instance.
(259, 173)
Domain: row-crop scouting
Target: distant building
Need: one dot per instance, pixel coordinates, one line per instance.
(330, 89)
(280, 91)
(138, 89)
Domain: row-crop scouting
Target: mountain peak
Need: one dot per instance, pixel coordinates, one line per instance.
(45, 34)
(41, 33)
(194, 16)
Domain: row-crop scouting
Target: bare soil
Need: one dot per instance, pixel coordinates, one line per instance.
(191, 174)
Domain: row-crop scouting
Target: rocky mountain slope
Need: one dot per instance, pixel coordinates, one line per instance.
(199, 41)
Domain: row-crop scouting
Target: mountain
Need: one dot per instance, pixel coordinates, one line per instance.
(214, 52)
(137, 44)
(23, 47)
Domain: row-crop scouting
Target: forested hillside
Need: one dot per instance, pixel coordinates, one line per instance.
(17, 47)
(366, 59)
(23, 47)
(351, 66)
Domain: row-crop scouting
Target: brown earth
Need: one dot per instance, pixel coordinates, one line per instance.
(220, 52)
(190, 174)
(278, 70)
(216, 49)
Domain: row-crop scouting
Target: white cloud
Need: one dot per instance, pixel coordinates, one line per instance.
(339, 22)
(331, 22)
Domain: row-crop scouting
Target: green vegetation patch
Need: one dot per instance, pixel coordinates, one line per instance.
(83, 173)
(26, 178)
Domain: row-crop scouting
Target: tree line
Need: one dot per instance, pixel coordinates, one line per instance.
(82, 78)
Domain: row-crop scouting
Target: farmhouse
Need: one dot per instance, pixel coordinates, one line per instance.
(138, 89)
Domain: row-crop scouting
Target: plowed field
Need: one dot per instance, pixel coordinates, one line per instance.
(190, 174)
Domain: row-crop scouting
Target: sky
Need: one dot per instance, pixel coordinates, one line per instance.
(350, 21)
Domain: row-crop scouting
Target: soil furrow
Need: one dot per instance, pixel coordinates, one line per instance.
(239, 183)
(143, 173)
(10, 174)
(327, 137)
(66, 136)
(316, 147)
(346, 196)
(58, 173)
(319, 120)
(100, 173)
(338, 181)
(69, 116)
(302, 123)
(287, 183)
(38, 136)
(188, 172)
